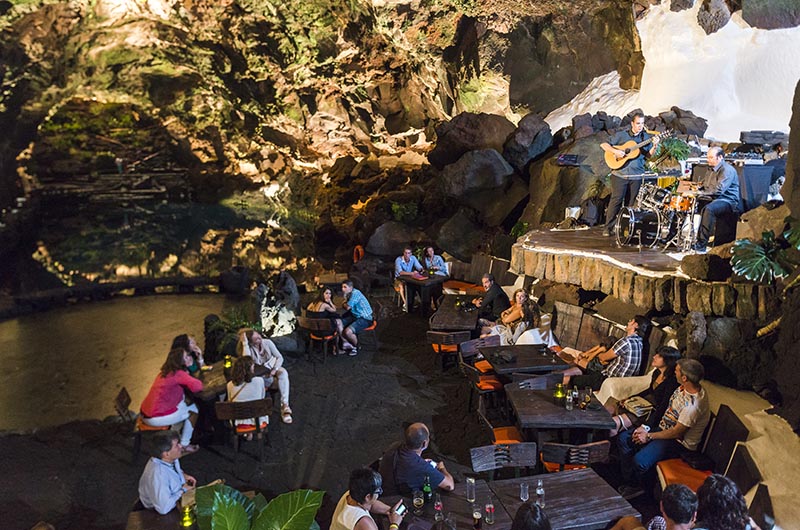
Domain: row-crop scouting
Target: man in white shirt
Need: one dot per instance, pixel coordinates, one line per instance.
(679, 430)
(163, 482)
(678, 508)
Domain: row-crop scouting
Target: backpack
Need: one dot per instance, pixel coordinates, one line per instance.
(593, 211)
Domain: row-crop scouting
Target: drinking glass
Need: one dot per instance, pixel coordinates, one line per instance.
(523, 492)
(489, 512)
(419, 502)
(587, 396)
(470, 489)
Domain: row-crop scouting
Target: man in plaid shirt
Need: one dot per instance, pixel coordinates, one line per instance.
(622, 360)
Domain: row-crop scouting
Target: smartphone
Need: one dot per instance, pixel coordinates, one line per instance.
(401, 509)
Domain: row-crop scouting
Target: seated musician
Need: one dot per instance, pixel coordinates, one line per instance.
(720, 184)
(626, 180)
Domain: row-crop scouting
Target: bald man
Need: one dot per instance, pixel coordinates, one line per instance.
(403, 469)
(721, 186)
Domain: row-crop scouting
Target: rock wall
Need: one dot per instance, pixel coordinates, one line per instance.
(791, 189)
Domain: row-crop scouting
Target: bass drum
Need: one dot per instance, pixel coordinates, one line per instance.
(635, 224)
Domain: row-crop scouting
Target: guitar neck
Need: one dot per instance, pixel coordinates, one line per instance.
(644, 143)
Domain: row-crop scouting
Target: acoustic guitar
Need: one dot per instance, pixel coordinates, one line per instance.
(631, 149)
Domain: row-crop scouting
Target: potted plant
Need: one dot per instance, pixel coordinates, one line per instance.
(220, 507)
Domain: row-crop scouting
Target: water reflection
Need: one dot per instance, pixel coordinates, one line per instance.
(68, 364)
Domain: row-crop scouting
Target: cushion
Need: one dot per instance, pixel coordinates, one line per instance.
(243, 428)
(327, 337)
(677, 471)
(373, 326)
(489, 382)
(507, 435)
(484, 367)
(445, 348)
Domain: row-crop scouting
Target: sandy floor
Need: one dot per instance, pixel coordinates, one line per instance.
(79, 475)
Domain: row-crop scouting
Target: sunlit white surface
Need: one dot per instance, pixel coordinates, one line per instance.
(739, 78)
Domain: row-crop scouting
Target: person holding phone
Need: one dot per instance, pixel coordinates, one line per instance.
(355, 508)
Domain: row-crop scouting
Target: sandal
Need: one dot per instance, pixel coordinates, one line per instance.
(286, 414)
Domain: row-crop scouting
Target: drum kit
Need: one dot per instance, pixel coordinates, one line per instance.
(659, 217)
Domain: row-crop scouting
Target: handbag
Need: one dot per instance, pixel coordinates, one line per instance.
(638, 406)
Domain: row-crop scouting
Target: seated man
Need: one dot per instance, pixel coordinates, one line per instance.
(163, 482)
(721, 186)
(678, 511)
(403, 469)
(405, 265)
(677, 431)
(353, 512)
(358, 316)
(622, 360)
(433, 262)
(492, 304)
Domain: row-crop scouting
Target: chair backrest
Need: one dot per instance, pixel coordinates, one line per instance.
(581, 455)
(243, 410)
(743, 470)
(537, 382)
(469, 371)
(471, 347)
(761, 508)
(315, 324)
(447, 338)
(491, 457)
(726, 431)
(121, 404)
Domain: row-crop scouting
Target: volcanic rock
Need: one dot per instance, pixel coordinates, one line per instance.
(681, 5)
(771, 14)
(706, 267)
(713, 15)
(390, 238)
(469, 132)
(761, 219)
(460, 236)
(531, 139)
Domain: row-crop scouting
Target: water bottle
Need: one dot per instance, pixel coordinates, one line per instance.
(540, 494)
(568, 401)
(470, 489)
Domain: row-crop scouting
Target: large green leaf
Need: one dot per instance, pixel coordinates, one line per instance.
(206, 495)
(761, 262)
(290, 511)
(792, 234)
(229, 513)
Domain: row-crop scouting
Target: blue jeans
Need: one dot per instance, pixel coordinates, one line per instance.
(708, 222)
(638, 460)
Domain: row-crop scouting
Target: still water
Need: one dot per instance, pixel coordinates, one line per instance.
(69, 363)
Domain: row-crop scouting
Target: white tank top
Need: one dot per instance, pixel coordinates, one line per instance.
(345, 517)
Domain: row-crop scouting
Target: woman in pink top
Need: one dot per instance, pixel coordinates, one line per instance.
(164, 404)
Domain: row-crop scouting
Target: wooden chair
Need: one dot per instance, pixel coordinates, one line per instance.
(488, 458)
(536, 382)
(720, 441)
(121, 404)
(481, 384)
(471, 348)
(445, 344)
(558, 457)
(246, 410)
(500, 435)
(368, 338)
(320, 331)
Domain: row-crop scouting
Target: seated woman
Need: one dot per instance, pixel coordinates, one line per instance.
(662, 386)
(530, 517)
(188, 343)
(529, 318)
(244, 387)
(164, 404)
(323, 307)
(266, 354)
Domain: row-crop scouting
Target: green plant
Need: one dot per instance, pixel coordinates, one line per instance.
(519, 229)
(596, 189)
(404, 212)
(670, 152)
(220, 507)
(768, 259)
(232, 320)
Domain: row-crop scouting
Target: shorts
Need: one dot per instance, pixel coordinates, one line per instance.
(356, 324)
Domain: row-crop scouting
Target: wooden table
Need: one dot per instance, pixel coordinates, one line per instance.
(454, 503)
(152, 520)
(574, 500)
(451, 318)
(424, 285)
(529, 358)
(536, 409)
(214, 382)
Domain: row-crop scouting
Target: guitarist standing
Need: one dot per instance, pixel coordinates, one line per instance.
(623, 180)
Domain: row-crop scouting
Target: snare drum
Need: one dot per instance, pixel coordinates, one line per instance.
(681, 203)
(653, 197)
(635, 226)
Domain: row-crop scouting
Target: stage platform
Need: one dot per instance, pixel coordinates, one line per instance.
(648, 277)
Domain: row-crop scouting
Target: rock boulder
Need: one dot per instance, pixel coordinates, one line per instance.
(713, 15)
(531, 139)
(390, 238)
(707, 267)
(469, 132)
(460, 236)
(476, 171)
(771, 14)
(759, 220)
